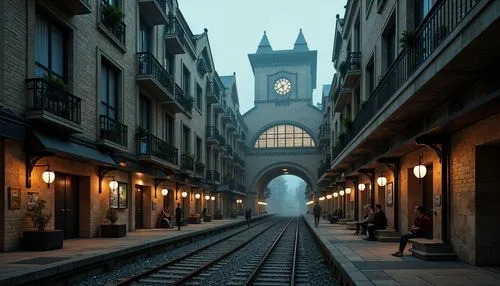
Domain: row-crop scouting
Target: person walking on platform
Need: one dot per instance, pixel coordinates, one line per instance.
(317, 213)
(178, 216)
(248, 216)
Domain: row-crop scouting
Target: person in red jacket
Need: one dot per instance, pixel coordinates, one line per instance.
(420, 228)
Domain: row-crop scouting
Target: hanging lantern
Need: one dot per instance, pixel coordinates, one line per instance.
(212, 198)
(207, 197)
(113, 185)
(335, 194)
(361, 187)
(48, 177)
(184, 194)
(420, 170)
(164, 192)
(341, 193)
(328, 196)
(197, 196)
(347, 191)
(382, 181)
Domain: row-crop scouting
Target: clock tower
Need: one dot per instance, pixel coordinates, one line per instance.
(284, 76)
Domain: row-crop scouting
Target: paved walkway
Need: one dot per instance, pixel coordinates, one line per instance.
(21, 266)
(371, 263)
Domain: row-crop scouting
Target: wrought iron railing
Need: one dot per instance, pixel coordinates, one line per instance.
(212, 90)
(108, 19)
(212, 133)
(353, 61)
(53, 98)
(185, 101)
(174, 28)
(147, 64)
(324, 130)
(229, 150)
(443, 18)
(112, 130)
(151, 145)
(162, 4)
(187, 162)
(213, 176)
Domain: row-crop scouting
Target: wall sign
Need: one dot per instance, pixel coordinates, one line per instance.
(14, 198)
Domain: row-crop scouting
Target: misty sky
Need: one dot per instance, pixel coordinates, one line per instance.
(235, 28)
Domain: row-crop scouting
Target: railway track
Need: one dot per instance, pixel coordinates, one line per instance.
(178, 271)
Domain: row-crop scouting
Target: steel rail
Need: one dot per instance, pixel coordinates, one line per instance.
(132, 279)
(295, 251)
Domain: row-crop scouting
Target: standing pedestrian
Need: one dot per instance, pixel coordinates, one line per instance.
(248, 215)
(178, 216)
(317, 213)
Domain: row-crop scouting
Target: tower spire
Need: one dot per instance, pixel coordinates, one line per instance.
(300, 43)
(264, 45)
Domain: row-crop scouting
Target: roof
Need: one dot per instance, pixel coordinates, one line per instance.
(300, 43)
(264, 46)
(227, 81)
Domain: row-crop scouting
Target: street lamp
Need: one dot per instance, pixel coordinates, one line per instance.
(335, 194)
(347, 191)
(341, 193)
(361, 187)
(207, 197)
(328, 196)
(164, 192)
(197, 196)
(382, 181)
(48, 176)
(420, 170)
(212, 198)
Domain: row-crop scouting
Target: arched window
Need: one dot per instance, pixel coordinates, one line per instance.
(284, 136)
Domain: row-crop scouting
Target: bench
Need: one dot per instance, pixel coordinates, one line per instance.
(351, 225)
(387, 235)
(431, 249)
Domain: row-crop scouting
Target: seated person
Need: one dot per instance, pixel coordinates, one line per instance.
(420, 228)
(369, 216)
(165, 218)
(379, 222)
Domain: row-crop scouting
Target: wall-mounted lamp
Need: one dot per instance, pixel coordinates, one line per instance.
(382, 180)
(341, 192)
(48, 176)
(361, 187)
(113, 184)
(164, 192)
(184, 194)
(197, 196)
(335, 194)
(207, 197)
(212, 198)
(420, 170)
(347, 191)
(328, 197)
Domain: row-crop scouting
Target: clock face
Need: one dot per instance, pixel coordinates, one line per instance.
(282, 86)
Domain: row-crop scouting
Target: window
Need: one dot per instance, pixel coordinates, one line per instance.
(51, 49)
(198, 149)
(169, 129)
(199, 97)
(169, 62)
(144, 110)
(422, 8)
(186, 81)
(144, 37)
(109, 91)
(284, 136)
(185, 140)
(118, 197)
(370, 77)
(389, 42)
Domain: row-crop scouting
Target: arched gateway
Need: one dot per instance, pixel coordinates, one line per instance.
(283, 125)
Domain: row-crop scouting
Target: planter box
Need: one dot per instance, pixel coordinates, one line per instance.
(113, 230)
(218, 216)
(44, 240)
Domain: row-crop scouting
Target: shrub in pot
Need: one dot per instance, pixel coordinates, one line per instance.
(41, 239)
(112, 229)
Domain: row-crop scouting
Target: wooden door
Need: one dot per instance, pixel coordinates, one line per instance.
(139, 208)
(66, 205)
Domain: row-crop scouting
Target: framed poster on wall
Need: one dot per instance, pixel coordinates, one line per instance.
(14, 198)
(32, 198)
(118, 197)
(389, 193)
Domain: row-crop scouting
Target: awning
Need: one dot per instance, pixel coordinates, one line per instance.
(42, 143)
(223, 189)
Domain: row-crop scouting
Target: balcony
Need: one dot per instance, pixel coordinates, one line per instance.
(77, 7)
(238, 162)
(113, 24)
(221, 147)
(212, 92)
(154, 150)
(112, 134)
(50, 104)
(353, 69)
(182, 103)
(199, 169)
(152, 77)
(228, 154)
(212, 135)
(174, 37)
(153, 11)
(187, 163)
(324, 166)
(213, 176)
(231, 183)
(343, 98)
(231, 127)
(226, 116)
(324, 134)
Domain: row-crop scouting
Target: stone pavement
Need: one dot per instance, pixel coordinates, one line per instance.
(22, 266)
(371, 263)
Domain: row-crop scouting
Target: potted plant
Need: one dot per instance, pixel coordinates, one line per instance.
(187, 103)
(55, 82)
(112, 16)
(112, 229)
(141, 133)
(41, 239)
(347, 122)
(217, 214)
(407, 40)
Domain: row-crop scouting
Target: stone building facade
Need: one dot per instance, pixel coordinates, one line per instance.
(415, 85)
(106, 90)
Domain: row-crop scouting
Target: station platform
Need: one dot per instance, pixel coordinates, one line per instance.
(20, 267)
(363, 262)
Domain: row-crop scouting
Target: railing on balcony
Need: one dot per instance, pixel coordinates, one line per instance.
(151, 145)
(187, 162)
(237, 159)
(353, 61)
(212, 91)
(324, 165)
(241, 188)
(229, 150)
(212, 133)
(199, 168)
(112, 130)
(148, 65)
(443, 18)
(324, 130)
(108, 19)
(185, 101)
(213, 176)
(162, 4)
(175, 28)
(53, 98)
